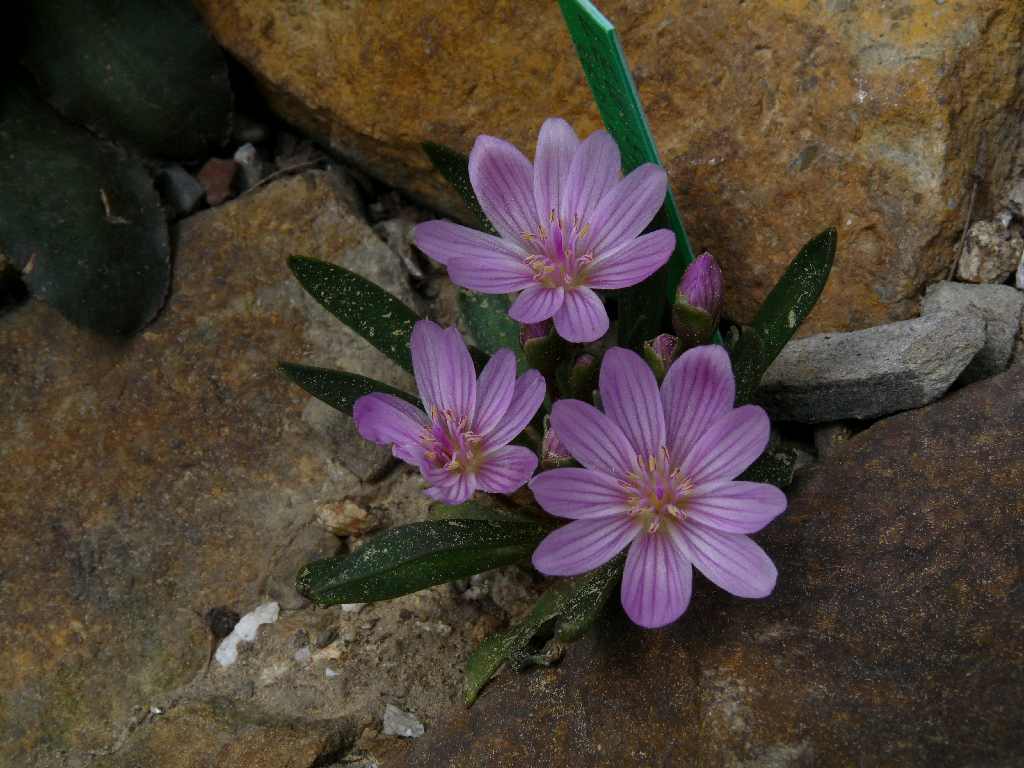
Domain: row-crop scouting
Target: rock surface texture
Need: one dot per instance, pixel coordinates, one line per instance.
(871, 373)
(774, 119)
(895, 635)
(151, 480)
(1000, 306)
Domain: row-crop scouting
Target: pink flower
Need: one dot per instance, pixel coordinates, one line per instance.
(461, 442)
(657, 476)
(568, 225)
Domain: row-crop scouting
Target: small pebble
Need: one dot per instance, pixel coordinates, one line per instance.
(352, 607)
(330, 673)
(250, 166)
(179, 189)
(303, 656)
(218, 179)
(399, 723)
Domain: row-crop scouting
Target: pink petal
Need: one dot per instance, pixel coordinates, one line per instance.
(494, 390)
(628, 208)
(455, 488)
(594, 440)
(594, 170)
(735, 506)
(536, 303)
(443, 240)
(656, 583)
(556, 146)
(630, 398)
(443, 368)
(731, 560)
(503, 181)
(386, 419)
(583, 545)
(730, 445)
(633, 261)
(582, 316)
(506, 469)
(698, 388)
(492, 274)
(579, 493)
(526, 399)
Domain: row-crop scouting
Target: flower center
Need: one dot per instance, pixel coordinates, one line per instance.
(450, 444)
(657, 491)
(560, 256)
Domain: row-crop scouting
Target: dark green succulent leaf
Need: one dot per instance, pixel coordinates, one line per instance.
(146, 73)
(365, 307)
(486, 317)
(487, 508)
(412, 557)
(776, 466)
(572, 605)
(789, 302)
(80, 219)
(454, 166)
(339, 389)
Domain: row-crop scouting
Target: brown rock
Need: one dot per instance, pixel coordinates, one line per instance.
(990, 254)
(152, 479)
(774, 119)
(220, 734)
(345, 518)
(217, 177)
(895, 635)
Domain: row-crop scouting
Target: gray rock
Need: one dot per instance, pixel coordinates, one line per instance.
(399, 723)
(1000, 306)
(870, 373)
(990, 254)
(397, 233)
(180, 190)
(1019, 279)
(250, 166)
(365, 460)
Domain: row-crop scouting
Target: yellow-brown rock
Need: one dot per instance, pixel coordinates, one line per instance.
(775, 118)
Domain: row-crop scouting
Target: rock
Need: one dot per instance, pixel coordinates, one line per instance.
(245, 632)
(306, 542)
(366, 461)
(1019, 277)
(895, 629)
(829, 438)
(163, 475)
(399, 723)
(217, 177)
(397, 233)
(1000, 306)
(220, 733)
(345, 518)
(870, 373)
(1015, 197)
(250, 166)
(179, 190)
(774, 120)
(991, 253)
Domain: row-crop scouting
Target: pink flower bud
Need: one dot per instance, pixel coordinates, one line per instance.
(660, 352)
(701, 286)
(531, 331)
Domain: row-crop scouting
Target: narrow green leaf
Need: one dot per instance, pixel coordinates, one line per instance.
(776, 466)
(487, 508)
(573, 604)
(641, 308)
(486, 317)
(364, 307)
(789, 302)
(338, 389)
(413, 557)
(454, 166)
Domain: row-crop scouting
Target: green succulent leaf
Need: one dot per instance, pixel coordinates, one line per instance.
(79, 218)
(776, 466)
(789, 302)
(339, 389)
(486, 317)
(454, 166)
(147, 73)
(366, 308)
(571, 606)
(412, 557)
(487, 508)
